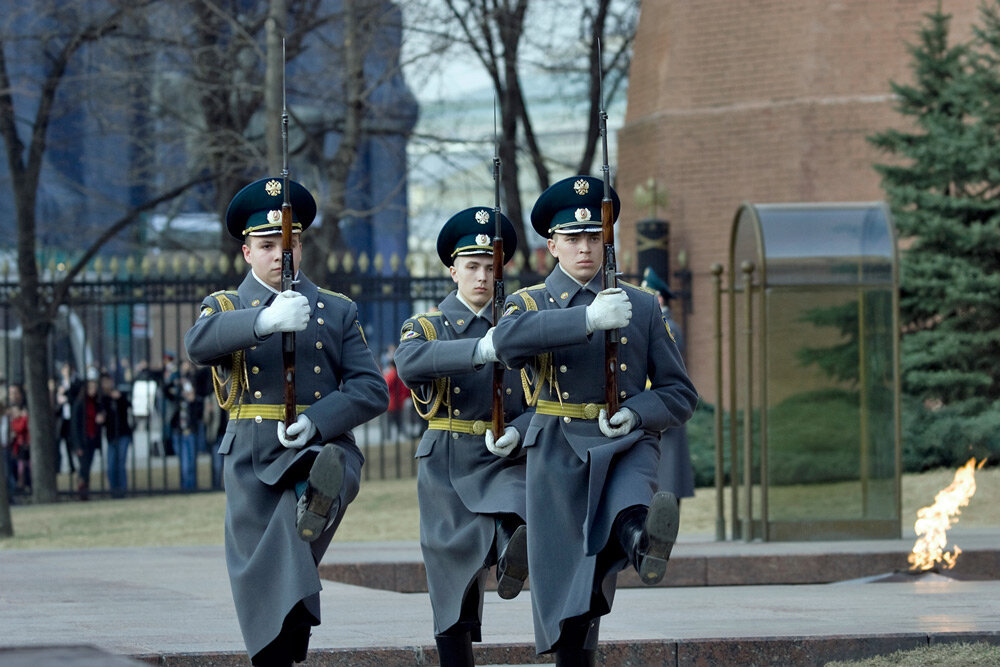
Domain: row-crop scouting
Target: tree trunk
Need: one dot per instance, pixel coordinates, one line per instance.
(40, 411)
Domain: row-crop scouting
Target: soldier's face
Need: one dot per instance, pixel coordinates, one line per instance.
(474, 276)
(580, 255)
(263, 254)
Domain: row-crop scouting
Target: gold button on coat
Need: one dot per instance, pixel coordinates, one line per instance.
(456, 412)
(565, 394)
(567, 419)
(258, 419)
(257, 394)
(624, 367)
(319, 395)
(319, 345)
(624, 340)
(255, 370)
(317, 370)
(319, 321)
(563, 369)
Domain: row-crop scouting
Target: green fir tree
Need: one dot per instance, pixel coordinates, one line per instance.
(943, 184)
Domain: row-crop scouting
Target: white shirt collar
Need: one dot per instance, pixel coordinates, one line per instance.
(467, 305)
(266, 286)
(584, 285)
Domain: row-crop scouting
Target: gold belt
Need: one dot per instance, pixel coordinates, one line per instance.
(477, 427)
(262, 411)
(575, 410)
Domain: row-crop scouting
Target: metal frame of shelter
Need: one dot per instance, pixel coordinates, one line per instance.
(814, 440)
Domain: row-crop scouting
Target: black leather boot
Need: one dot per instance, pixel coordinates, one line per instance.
(647, 535)
(577, 633)
(575, 657)
(321, 500)
(512, 555)
(455, 649)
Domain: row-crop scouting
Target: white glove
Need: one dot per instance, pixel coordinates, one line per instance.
(611, 309)
(484, 350)
(288, 312)
(507, 442)
(621, 423)
(298, 434)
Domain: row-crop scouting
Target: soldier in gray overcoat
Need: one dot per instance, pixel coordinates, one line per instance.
(471, 492)
(286, 489)
(591, 476)
(676, 474)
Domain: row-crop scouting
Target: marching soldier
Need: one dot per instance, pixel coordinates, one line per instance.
(591, 476)
(471, 497)
(286, 490)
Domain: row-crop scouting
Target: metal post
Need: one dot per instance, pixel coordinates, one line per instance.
(747, 267)
(720, 517)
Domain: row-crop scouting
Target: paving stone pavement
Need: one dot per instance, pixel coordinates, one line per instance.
(172, 606)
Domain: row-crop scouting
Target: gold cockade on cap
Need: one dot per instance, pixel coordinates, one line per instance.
(482, 239)
(581, 187)
(274, 216)
(482, 216)
(273, 187)
(582, 214)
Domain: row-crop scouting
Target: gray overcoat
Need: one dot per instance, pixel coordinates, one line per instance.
(460, 483)
(578, 480)
(339, 386)
(676, 473)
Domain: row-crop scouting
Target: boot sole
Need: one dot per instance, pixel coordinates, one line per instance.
(326, 477)
(515, 571)
(662, 523)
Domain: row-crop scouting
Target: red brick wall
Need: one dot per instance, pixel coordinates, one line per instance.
(762, 101)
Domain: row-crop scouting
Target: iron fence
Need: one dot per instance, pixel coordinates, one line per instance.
(128, 318)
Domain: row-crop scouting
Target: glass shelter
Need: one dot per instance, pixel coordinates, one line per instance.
(813, 354)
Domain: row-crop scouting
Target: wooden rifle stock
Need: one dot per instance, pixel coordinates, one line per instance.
(610, 266)
(288, 337)
(287, 258)
(610, 279)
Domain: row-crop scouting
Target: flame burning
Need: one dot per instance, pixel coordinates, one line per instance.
(934, 521)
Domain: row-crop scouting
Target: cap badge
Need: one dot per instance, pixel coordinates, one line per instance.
(482, 239)
(482, 216)
(273, 187)
(274, 216)
(581, 187)
(582, 214)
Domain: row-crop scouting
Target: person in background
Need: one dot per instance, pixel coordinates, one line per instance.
(20, 439)
(675, 474)
(184, 432)
(87, 418)
(118, 432)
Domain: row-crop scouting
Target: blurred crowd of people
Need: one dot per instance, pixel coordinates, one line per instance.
(99, 413)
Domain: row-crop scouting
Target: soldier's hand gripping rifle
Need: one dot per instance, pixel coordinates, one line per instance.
(498, 290)
(610, 266)
(287, 264)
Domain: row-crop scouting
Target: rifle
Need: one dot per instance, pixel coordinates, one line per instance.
(498, 290)
(287, 267)
(610, 266)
